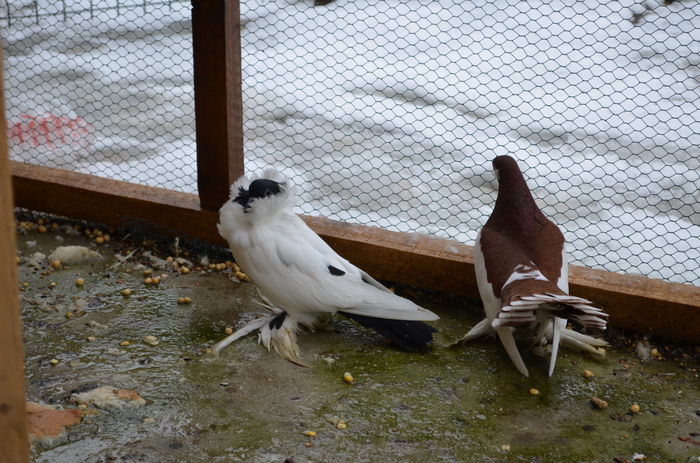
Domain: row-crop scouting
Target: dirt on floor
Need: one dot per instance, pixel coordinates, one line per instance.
(465, 403)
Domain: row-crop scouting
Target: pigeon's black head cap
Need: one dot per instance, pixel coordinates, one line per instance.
(259, 188)
(263, 187)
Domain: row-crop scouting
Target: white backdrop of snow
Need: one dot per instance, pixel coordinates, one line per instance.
(389, 113)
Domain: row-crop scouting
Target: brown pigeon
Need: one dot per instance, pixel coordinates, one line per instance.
(522, 274)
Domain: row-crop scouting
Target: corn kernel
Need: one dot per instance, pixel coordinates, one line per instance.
(534, 391)
(228, 330)
(588, 374)
(635, 408)
(125, 343)
(53, 361)
(309, 433)
(126, 292)
(56, 264)
(341, 425)
(79, 282)
(347, 377)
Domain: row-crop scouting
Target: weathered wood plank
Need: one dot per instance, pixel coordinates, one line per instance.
(14, 444)
(218, 102)
(651, 306)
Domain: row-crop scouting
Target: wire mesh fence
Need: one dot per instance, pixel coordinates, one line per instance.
(389, 113)
(102, 87)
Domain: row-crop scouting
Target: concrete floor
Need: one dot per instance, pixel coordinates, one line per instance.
(465, 404)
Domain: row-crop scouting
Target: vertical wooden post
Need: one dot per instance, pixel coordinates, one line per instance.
(14, 447)
(218, 102)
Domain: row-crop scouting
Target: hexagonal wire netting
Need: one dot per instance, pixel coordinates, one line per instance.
(102, 87)
(389, 113)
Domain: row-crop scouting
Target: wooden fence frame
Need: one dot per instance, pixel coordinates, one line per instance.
(637, 303)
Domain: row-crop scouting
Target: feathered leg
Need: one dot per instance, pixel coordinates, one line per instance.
(505, 333)
(557, 325)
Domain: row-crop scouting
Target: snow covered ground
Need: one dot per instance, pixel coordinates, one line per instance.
(388, 113)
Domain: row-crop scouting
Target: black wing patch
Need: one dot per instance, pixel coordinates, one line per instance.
(335, 271)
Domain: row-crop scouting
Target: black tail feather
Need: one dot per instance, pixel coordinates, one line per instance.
(409, 335)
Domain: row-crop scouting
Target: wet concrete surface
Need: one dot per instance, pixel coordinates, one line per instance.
(460, 404)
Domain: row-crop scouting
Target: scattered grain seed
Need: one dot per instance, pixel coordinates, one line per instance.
(147, 272)
(126, 292)
(149, 419)
(40, 222)
(106, 237)
(41, 229)
(155, 280)
(588, 374)
(53, 361)
(125, 343)
(79, 282)
(17, 260)
(99, 240)
(309, 433)
(228, 330)
(599, 403)
(180, 300)
(184, 270)
(56, 264)
(148, 281)
(25, 284)
(534, 391)
(341, 425)
(52, 284)
(635, 408)
(308, 444)
(169, 259)
(505, 448)
(91, 338)
(149, 339)
(69, 315)
(187, 300)
(347, 377)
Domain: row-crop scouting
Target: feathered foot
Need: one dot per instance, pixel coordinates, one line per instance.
(277, 332)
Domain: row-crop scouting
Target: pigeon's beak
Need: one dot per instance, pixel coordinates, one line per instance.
(243, 198)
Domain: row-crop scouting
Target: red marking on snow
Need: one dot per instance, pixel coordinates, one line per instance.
(48, 130)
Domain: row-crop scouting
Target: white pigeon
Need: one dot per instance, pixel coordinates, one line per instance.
(301, 279)
(522, 274)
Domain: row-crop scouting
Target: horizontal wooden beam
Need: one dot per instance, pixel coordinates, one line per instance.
(671, 310)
